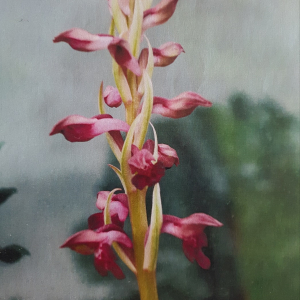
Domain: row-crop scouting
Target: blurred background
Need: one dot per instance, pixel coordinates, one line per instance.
(239, 160)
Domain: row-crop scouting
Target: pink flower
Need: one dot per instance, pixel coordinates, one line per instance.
(112, 97)
(162, 56)
(166, 154)
(119, 49)
(98, 242)
(180, 106)
(118, 209)
(148, 170)
(159, 14)
(166, 54)
(82, 40)
(191, 231)
(80, 129)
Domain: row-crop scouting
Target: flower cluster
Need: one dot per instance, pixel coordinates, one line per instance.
(142, 163)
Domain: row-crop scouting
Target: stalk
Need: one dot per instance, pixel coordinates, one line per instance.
(146, 280)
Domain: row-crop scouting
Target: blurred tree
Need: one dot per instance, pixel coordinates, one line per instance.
(261, 154)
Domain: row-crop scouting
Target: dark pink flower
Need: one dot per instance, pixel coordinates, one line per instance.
(180, 106)
(80, 129)
(147, 170)
(118, 209)
(191, 231)
(112, 97)
(98, 242)
(159, 14)
(166, 154)
(119, 49)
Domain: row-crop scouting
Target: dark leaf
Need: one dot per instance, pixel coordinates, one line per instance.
(12, 253)
(5, 193)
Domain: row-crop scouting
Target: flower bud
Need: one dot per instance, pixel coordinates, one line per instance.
(166, 54)
(112, 96)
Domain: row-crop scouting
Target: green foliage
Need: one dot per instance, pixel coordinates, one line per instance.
(260, 149)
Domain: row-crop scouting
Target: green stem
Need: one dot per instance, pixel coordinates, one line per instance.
(138, 216)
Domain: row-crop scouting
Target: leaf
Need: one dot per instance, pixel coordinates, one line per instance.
(118, 16)
(126, 154)
(145, 114)
(151, 247)
(12, 253)
(136, 28)
(5, 193)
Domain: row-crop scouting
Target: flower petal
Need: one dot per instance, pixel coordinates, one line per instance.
(80, 129)
(82, 40)
(96, 221)
(112, 96)
(167, 155)
(180, 106)
(159, 14)
(84, 242)
(157, 172)
(141, 162)
(119, 49)
(200, 218)
(118, 206)
(102, 198)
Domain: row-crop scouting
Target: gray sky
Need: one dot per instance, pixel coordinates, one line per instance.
(234, 45)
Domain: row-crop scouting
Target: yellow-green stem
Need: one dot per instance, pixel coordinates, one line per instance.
(132, 109)
(138, 217)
